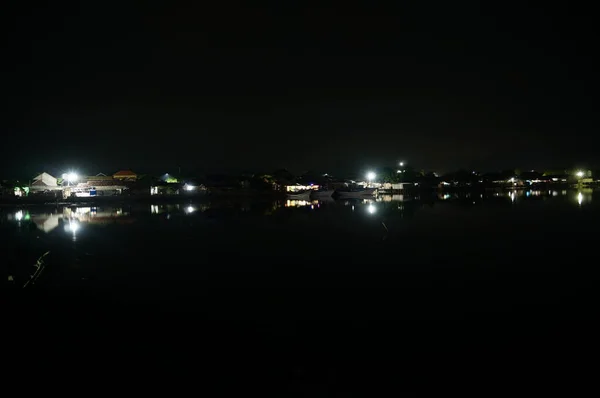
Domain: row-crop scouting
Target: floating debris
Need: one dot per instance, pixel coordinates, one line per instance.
(39, 266)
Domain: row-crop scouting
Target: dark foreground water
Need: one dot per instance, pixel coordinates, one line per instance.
(331, 298)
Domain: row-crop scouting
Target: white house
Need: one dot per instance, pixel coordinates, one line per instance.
(44, 181)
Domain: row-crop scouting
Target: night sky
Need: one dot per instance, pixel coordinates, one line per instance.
(100, 88)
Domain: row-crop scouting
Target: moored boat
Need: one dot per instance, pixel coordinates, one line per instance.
(357, 192)
(299, 195)
(324, 194)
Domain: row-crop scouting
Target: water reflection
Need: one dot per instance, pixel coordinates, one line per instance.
(390, 198)
(74, 219)
(72, 226)
(94, 215)
(300, 203)
(190, 209)
(46, 222)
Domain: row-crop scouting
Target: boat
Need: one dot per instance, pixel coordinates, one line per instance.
(357, 192)
(324, 194)
(84, 192)
(299, 195)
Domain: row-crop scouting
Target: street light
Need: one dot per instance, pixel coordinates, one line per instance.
(70, 177)
(401, 164)
(370, 176)
(580, 174)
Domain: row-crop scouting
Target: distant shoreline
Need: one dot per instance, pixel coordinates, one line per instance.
(8, 201)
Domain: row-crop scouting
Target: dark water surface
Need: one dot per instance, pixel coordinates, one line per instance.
(316, 298)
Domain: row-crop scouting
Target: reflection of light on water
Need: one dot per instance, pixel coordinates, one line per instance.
(580, 198)
(371, 209)
(554, 193)
(352, 207)
(154, 209)
(19, 215)
(190, 209)
(73, 226)
(446, 196)
(390, 198)
(512, 195)
(300, 203)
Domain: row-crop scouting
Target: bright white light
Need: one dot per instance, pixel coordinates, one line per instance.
(580, 198)
(371, 176)
(189, 187)
(19, 215)
(580, 174)
(70, 177)
(371, 209)
(401, 164)
(72, 226)
(190, 209)
(513, 196)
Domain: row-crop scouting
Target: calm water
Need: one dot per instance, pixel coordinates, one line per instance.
(393, 272)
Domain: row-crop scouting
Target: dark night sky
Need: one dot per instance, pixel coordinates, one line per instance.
(148, 87)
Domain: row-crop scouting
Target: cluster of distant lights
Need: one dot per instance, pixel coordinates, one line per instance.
(72, 177)
(73, 225)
